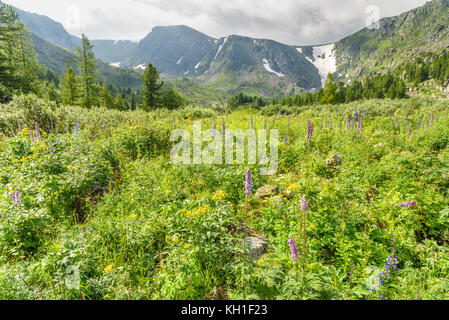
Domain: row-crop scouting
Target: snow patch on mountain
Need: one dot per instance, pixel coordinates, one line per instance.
(267, 67)
(115, 64)
(299, 49)
(180, 60)
(219, 49)
(140, 66)
(325, 60)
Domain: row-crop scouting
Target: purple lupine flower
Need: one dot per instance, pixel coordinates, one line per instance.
(16, 197)
(285, 140)
(399, 123)
(309, 131)
(356, 114)
(32, 136)
(293, 249)
(52, 151)
(51, 125)
(248, 182)
(66, 130)
(223, 128)
(391, 263)
(252, 123)
(304, 204)
(265, 125)
(348, 123)
(409, 131)
(406, 116)
(38, 134)
(407, 204)
(331, 125)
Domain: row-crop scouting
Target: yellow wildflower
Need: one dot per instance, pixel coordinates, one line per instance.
(109, 268)
(133, 216)
(219, 195)
(69, 167)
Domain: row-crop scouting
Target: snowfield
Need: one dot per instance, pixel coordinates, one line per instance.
(140, 66)
(115, 64)
(267, 67)
(324, 60)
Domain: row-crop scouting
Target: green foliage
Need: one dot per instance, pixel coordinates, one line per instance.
(109, 202)
(87, 67)
(69, 88)
(18, 62)
(330, 92)
(172, 99)
(151, 87)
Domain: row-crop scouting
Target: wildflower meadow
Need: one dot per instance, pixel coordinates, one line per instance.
(92, 207)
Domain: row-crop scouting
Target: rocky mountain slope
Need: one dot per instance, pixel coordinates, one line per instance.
(261, 66)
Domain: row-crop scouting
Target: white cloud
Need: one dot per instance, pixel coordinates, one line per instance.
(297, 22)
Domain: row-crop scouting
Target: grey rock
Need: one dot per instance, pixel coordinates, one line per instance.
(267, 191)
(335, 160)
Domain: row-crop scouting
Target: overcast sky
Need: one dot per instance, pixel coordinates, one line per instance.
(298, 22)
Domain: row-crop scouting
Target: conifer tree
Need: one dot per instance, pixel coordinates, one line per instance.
(151, 87)
(88, 73)
(69, 88)
(330, 92)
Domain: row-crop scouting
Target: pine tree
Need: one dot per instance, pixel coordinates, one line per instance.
(88, 70)
(151, 87)
(69, 88)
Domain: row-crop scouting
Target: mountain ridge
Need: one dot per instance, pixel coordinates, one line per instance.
(266, 66)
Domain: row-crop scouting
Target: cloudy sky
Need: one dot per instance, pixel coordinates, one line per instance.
(298, 22)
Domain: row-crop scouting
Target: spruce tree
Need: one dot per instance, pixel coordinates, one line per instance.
(151, 87)
(88, 73)
(330, 92)
(69, 88)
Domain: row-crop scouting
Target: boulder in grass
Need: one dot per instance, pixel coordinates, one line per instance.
(335, 160)
(256, 247)
(268, 192)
